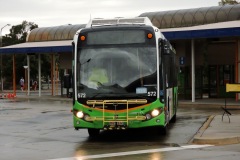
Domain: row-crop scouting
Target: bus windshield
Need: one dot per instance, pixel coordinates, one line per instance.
(117, 72)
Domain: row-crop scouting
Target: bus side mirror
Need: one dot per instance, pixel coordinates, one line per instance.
(164, 46)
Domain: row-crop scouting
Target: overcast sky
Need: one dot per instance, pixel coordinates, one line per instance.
(47, 13)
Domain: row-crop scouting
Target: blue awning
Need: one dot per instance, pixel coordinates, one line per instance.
(207, 33)
(214, 30)
(38, 47)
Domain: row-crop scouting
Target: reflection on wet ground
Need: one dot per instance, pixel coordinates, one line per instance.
(130, 135)
(189, 120)
(179, 133)
(122, 141)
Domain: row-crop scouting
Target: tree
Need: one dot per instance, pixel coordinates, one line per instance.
(18, 34)
(228, 2)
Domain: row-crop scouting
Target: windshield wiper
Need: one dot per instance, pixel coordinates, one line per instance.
(86, 61)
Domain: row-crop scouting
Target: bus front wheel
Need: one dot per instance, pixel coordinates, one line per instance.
(174, 118)
(93, 132)
(163, 130)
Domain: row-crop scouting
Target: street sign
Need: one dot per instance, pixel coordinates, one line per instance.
(181, 60)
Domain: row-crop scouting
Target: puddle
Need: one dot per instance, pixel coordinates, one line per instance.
(2, 100)
(53, 111)
(8, 109)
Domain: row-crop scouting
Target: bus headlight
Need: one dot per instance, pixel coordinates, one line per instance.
(152, 114)
(155, 112)
(80, 114)
(148, 116)
(86, 117)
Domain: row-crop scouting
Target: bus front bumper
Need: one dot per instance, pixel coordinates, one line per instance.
(117, 123)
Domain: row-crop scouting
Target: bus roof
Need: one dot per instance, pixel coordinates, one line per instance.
(119, 21)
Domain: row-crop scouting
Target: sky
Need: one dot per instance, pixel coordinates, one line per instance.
(48, 13)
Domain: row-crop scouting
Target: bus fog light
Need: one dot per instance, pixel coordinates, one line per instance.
(155, 112)
(158, 120)
(148, 116)
(80, 114)
(86, 117)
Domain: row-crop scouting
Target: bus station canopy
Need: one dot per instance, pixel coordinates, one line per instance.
(46, 40)
(194, 16)
(222, 29)
(205, 22)
(39, 47)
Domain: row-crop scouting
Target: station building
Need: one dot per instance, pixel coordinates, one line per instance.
(208, 47)
(207, 42)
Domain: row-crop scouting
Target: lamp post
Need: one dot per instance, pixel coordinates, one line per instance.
(26, 81)
(1, 54)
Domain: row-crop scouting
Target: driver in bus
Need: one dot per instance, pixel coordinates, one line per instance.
(97, 78)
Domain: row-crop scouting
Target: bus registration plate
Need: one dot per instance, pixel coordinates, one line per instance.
(116, 123)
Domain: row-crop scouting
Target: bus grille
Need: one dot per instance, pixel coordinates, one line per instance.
(116, 104)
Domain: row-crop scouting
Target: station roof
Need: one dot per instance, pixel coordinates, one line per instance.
(205, 22)
(46, 40)
(194, 16)
(57, 33)
(39, 47)
(215, 30)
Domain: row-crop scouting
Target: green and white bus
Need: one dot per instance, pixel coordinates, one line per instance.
(124, 76)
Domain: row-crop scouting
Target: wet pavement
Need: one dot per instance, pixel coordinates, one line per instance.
(41, 128)
(218, 129)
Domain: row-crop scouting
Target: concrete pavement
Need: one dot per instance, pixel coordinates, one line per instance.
(219, 129)
(219, 132)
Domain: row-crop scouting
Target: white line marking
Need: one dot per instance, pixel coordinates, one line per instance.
(134, 152)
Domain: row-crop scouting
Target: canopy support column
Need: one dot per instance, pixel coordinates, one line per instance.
(193, 69)
(53, 76)
(28, 74)
(14, 76)
(39, 75)
(237, 66)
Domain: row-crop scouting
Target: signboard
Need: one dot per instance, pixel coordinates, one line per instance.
(232, 87)
(181, 60)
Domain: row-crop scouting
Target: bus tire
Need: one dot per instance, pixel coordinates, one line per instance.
(163, 130)
(93, 133)
(174, 118)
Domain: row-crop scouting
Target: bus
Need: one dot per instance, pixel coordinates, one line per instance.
(124, 76)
